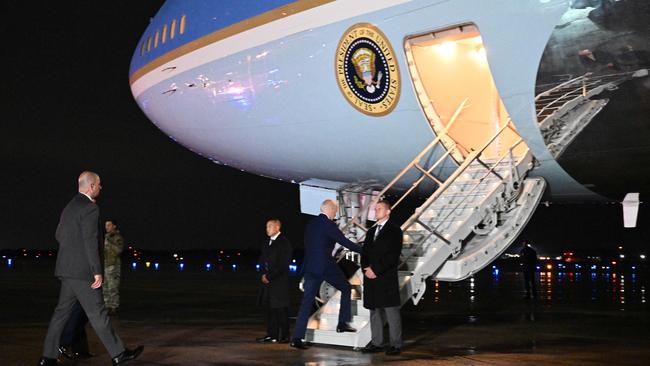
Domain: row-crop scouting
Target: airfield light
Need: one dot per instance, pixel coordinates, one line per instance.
(257, 267)
(156, 265)
(134, 265)
(147, 264)
(9, 262)
(620, 248)
(613, 263)
(181, 266)
(549, 266)
(642, 256)
(621, 256)
(208, 266)
(234, 267)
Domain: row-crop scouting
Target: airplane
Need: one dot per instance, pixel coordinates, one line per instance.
(483, 108)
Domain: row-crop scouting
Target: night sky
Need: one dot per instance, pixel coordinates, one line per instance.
(67, 107)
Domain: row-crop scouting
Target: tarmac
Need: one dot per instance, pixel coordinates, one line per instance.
(209, 318)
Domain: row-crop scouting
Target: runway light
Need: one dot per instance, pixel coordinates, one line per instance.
(549, 266)
(181, 265)
(593, 266)
(257, 267)
(234, 267)
(134, 265)
(9, 262)
(147, 264)
(156, 265)
(621, 256)
(642, 256)
(208, 266)
(293, 268)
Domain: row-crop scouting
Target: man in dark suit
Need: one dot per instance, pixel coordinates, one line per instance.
(321, 234)
(79, 269)
(529, 258)
(275, 258)
(379, 260)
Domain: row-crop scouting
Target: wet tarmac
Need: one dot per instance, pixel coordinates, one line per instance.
(209, 318)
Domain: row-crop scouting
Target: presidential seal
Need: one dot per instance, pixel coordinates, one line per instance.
(366, 70)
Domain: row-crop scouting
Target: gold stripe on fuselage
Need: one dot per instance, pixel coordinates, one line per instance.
(244, 25)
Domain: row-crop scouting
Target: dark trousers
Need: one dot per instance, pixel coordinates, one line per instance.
(74, 333)
(92, 302)
(312, 285)
(277, 322)
(530, 283)
(381, 316)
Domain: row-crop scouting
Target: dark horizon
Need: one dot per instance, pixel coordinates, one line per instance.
(69, 108)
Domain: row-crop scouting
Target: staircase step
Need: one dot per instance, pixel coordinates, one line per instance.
(329, 321)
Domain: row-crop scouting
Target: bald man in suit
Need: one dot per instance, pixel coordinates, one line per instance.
(79, 268)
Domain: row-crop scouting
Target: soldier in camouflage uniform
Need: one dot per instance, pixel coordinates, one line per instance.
(113, 246)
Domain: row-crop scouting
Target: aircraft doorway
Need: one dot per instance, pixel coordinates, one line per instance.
(449, 67)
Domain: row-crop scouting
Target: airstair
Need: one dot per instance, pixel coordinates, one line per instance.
(468, 221)
(566, 109)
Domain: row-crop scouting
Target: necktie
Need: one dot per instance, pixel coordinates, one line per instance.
(270, 242)
(377, 231)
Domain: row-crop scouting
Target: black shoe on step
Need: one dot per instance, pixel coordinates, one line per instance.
(344, 327)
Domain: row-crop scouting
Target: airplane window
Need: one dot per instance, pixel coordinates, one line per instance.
(182, 27)
(142, 46)
(149, 44)
(155, 42)
(164, 34)
(172, 31)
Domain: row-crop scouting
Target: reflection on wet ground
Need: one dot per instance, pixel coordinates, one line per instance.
(209, 318)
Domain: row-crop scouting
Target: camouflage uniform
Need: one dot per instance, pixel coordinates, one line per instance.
(113, 245)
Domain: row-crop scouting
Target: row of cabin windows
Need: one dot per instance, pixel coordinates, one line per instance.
(161, 37)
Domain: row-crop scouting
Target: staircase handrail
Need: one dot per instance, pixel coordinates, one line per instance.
(417, 158)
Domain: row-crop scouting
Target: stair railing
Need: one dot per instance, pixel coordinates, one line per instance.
(473, 156)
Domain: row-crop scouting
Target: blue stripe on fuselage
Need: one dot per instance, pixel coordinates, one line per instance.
(202, 18)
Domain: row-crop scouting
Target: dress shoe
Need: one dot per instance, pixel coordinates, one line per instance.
(85, 354)
(127, 355)
(299, 344)
(344, 327)
(283, 340)
(371, 348)
(266, 339)
(48, 361)
(392, 351)
(68, 353)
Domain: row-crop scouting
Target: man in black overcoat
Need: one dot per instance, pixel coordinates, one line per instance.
(273, 296)
(379, 260)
